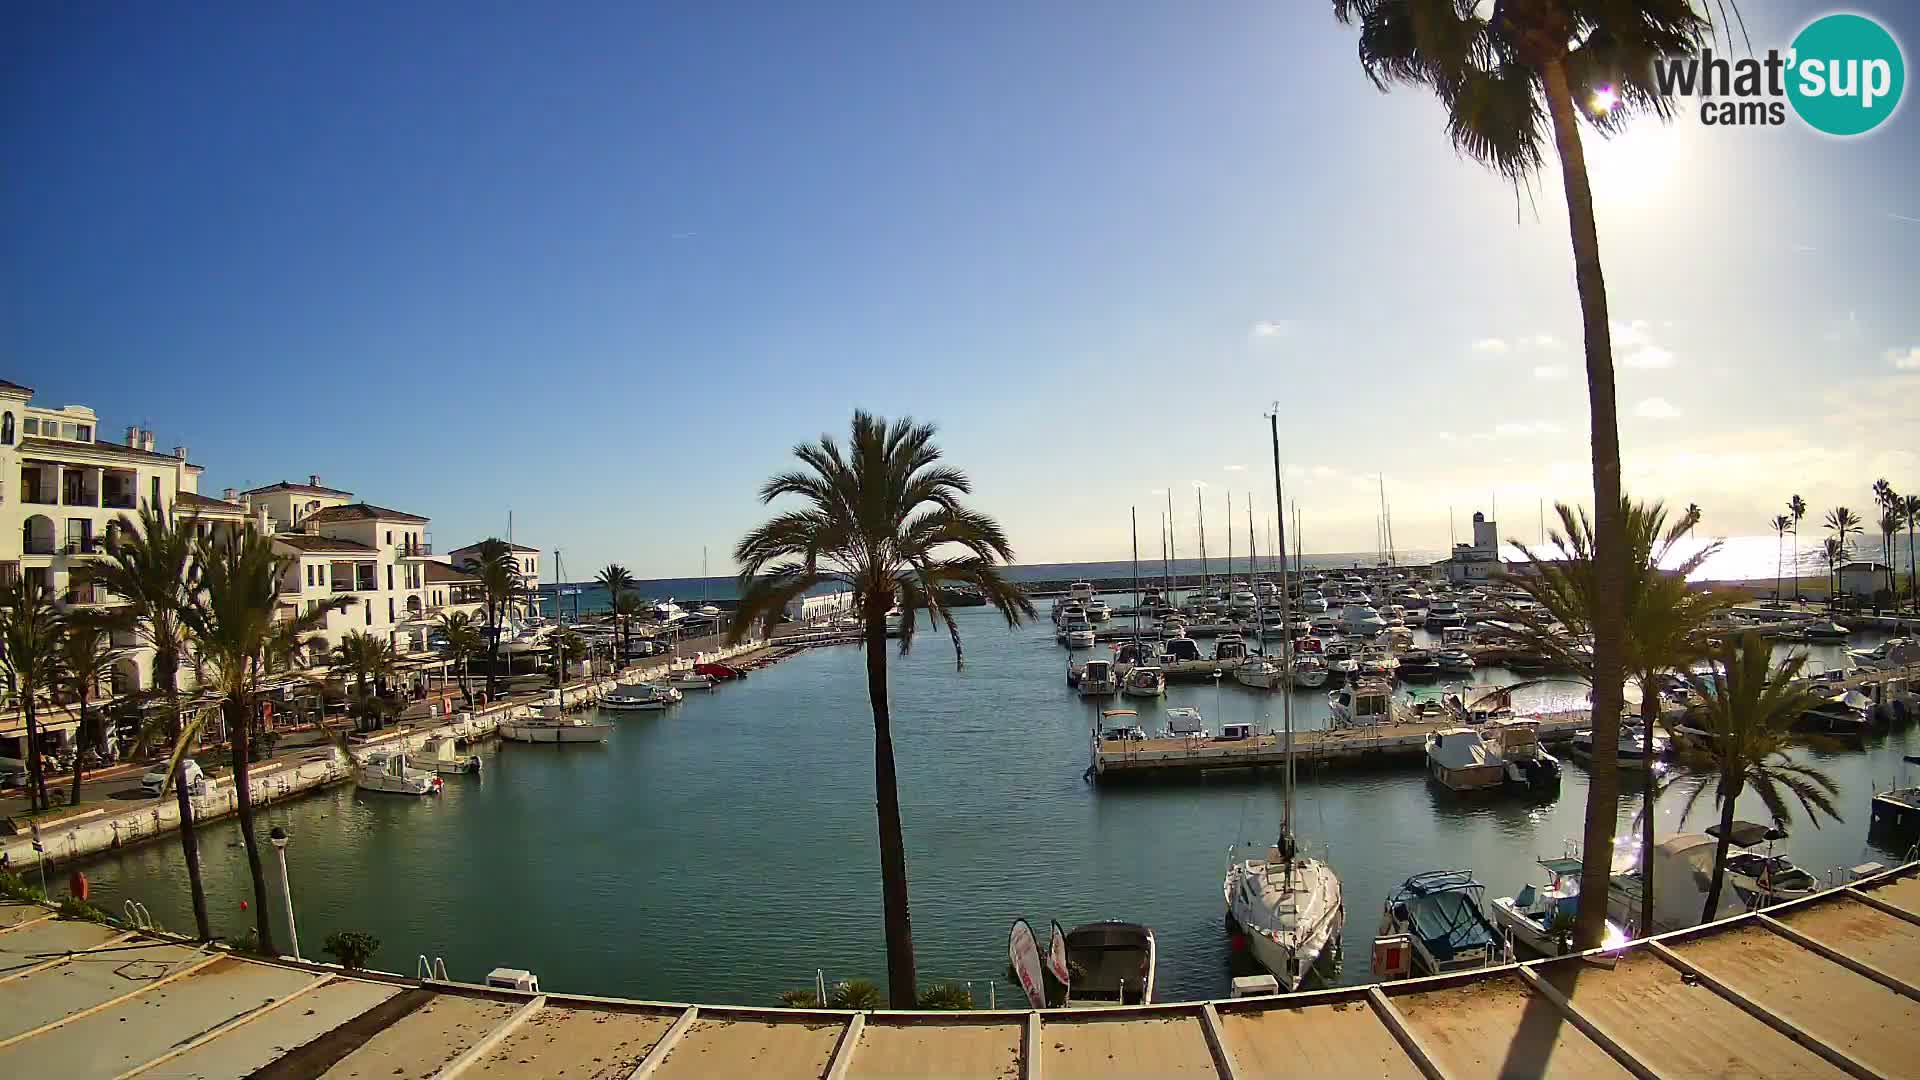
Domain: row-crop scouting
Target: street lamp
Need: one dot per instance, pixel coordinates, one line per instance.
(279, 838)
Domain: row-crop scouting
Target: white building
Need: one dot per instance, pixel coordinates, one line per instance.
(1475, 563)
(527, 557)
(1862, 579)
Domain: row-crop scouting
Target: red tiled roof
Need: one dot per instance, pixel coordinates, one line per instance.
(360, 511)
(311, 543)
(440, 573)
(304, 489)
(198, 502)
(34, 442)
(510, 547)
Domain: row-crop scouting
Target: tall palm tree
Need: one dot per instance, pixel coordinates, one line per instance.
(1749, 713)
(87, 657)
(1910, 510)
(568, 646)
(1797, 509)
(1890, 521)
(1835, 553)
(366, 658)
(1506, 79)
(31, 630)
(1667, 623)
(629, 608)
(615, 579)
(1780, 523)
(1842, 523)
(1691, 518)
(501, 583)
(464, 642)
(238, 635)
(883, 519)
(150, 566)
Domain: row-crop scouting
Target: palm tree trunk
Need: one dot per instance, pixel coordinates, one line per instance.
(189, 832)
(1649, 716)
(1796, 562)
(80, 747)
(1720, 854)
(1776, 567)
(493, 657)
(239, 723)
(1610, 571)
(36, 770)
(902, 984)
(1913, 591)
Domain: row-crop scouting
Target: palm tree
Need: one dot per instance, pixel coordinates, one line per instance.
(150, 566)
(1890, 521)
(1667, 623)
(1910, 510)
(464, 642)
(238, 635)
(1504, 81)
(1749, 713)
(30, 634)
(629, 608)
(1836, 553)
(1843, 523)
(1781, 523)
(883, 518)
(617, 582)
(1797, 507)
(87, 657)
(501, 582)
(366, 658)
(567, 645)
(1691, 518)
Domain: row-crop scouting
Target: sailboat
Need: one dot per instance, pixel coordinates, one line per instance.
(1286, 904)
(705, 610)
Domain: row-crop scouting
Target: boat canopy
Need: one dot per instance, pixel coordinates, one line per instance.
(1459, 748)
(1443, 907)
(1185, 721)
(1748, 833)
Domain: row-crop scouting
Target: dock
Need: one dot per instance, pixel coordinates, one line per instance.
(1826, 986)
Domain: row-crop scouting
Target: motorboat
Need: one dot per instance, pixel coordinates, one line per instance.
(1453, 655)
(1493, 704)
(1340, 661)
(1825, 631)
(666, 611)
(690, 679)
(1130, 654)
(1397, 638)
(1847, 713)
(1186, 722)
(1419, 664)
(707, 611)
(552, 725)
(1412, 616)
(1324, 624)
(1443, 914)
(1180, 659)
(1288, 906)
(1229, 651)
(1442, 614)
(1144, 680)
(1111, 963)
(1312, 602)
(1394, 614)
(1309, 672)
(1361, 620)
(1378, 661)
(1259, 673)
(1098, 611)
(1504, 753)
(443, 754)
(392, 772)
(1080, 636)
(1120, 725)
(721, 672)
(641, 697)
(1634, 744)
(896, 622)
(1081, 591)
(1365, 703)
(1890, 654)
(1539, 919)
(1098, 679)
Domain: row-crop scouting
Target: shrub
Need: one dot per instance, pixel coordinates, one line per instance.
(73, 907)
(800, 999)
(351, 948)
(946, 996)
(854, 994)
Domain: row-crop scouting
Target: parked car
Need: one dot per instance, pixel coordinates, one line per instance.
(156, 778)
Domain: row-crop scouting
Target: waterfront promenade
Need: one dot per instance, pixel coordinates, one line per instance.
(1828, 986)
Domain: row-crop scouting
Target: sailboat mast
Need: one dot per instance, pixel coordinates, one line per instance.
(1166, 565)
(1286, 651)
(1253, 571)
(1206, 577)
(1133, 514)
(1172, 551)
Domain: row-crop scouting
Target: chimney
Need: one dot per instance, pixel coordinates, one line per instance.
(313, 479)
(180, 453)
(231, 495)
(133, 436)
(146, 440)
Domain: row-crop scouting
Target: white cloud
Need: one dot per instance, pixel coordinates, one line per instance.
(1491, 345)
(1236, 468)
(1200, 484)
(1272, 328)
(1550, 371)
(1905, 359)
(1655, 408)
(1513, 428)
(1629, 335)
(1446, 436)
(1324, 471)
(1544, 341)
(1158, 491)
(1648, 357)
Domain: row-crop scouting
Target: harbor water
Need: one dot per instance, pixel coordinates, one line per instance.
(724, 850)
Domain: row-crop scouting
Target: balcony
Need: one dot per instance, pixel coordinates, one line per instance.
(39, 498)
(84, 545)
(341, 586)
(419, 549)
(86, 595)
(115, 500)
(39, 546)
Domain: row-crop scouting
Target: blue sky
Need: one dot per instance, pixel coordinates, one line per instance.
(603, 266)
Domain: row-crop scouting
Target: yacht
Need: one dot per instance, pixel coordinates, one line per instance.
(1098, 679)
(1309, 672)
(896, 622)
(1180, 658)
(1259, 673)
(1375, 660)
(1893, 653)
(1442, 614)
(666, 611)
(1442, 914)
(1419, 664)
(1111, 963)
(392, 772)
(1452, 655)
(554, 726)
(1504, 753)
(1848, 713)
(1394, 614)
(1340, 661)
(1361, 620)
(1098, 611)
(1079, 635)
(1289, 908)
(1366, 703)
(1324, 624)
(443, 754)
(1413, 616)
(1229, 651)
(1185, 722)
(1312, 602)
(1081, 591)
(1145, 680)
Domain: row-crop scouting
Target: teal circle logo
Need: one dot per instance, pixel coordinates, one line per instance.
(1847, 74)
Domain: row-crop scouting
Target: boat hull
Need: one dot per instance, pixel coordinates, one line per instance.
(556, 733)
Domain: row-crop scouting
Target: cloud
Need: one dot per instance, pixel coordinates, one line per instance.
(1512, 428)
(1550, 371)
(1648, 358)
(1158, 491)
(1323, 471)
(1630, 335)
(1544, 341)
(1273, 328)
(1845, 331)
(1903, 217)
(1905, 359)
(1201, 484)
(1446, 436)
(1236, 468)
(1491, 345)
(1655, 408)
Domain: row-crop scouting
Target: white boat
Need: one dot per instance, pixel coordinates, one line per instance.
(1504, 753)
(391, 772)
(1361, 620)
(1180, 658)
(1080, 636)
(442, 754)
(1442, 913)
(1377, 660)
(1540, 919)
(1893, 653)
(1312, 602)
(1309, 672)
(1081, 591)
(641, 697)
(690, 680)
(1098, 611)
(707, 611)
(1825, 631)
(896, 622)
(1145, 680)
(1098, 679)
(1186, 722)
(1365, 703)
(666, 611)
(1261, 673)
(553, 726)
(1324, 624)
(1229, 651)
(1120, 725)
(1111, 963)
(1442, 614)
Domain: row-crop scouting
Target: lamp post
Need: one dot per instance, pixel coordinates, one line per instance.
(279, 838)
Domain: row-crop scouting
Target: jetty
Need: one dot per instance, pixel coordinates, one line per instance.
(1828, 986)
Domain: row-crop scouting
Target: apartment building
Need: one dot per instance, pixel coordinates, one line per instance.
(528, 559)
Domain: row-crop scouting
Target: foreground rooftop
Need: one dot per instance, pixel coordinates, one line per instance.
(1825, 987)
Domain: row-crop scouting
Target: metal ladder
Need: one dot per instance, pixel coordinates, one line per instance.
(434, 970)
(138, 916)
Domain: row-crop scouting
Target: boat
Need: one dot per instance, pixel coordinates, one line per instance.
(1259, 673)
(689, 679)
(721, 672)
(1144, 680)
(1180, 658)
(1825, 631)
(1443, 914)
(1377, 661)
(1365, 703)
(1361, 620)
(1186, 722)
(1098, 611)
(1505, 753)
(1419, 664)
(1634, 745)
(666, 611)
(640, 697)
(1098, 679)
(1895, 821)
(1538, 920)
(1080, 636)
(1443, 614)
(1846, 713)
(1111, 963)
(392, 772)
(896, 622)
(1120, 725)
(1309, 672)
(1760, 877)
(553, 726)
(1487, 705)
(1413, 616)
(1339, 659)
(443, 754)
(1229, 651)
(1081, 591)
(1890, 654)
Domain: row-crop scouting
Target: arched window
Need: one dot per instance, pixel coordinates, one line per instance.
(6, 430)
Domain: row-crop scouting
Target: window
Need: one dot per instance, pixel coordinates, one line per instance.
(367, 607)
(390, 617)
(6, 429)
(156, 495)
(309, 576)
(84, 432)
(389, 536)
(389, 572)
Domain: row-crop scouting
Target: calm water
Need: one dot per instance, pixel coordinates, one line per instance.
(725, 850)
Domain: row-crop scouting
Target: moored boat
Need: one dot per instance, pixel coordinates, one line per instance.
(1111, 963)
(392, 772)
(1144, 680)
(1442, 913)
(553, 726)
(443, 754)
(641, 697)
(1098, 679)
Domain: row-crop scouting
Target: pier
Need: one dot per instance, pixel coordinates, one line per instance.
(1827, 986)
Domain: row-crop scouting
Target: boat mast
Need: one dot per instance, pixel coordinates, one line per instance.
(1229, 547)
(1286, 653)
(1206, 579)
(1133, 514)
(1253, 564)
(1172, 552)
(1166, 565)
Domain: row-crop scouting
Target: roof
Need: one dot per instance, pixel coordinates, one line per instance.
(304, 489)
(441, 573)
(1816, 987)
(1857, 565)
(311, 543)
(196, 501)
(360, 511)
(111, 449)
(5, 385)
(510, 547)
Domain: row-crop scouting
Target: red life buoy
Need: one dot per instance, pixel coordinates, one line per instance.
(77, 885)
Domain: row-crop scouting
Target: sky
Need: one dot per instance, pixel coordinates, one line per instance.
(602, 266)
